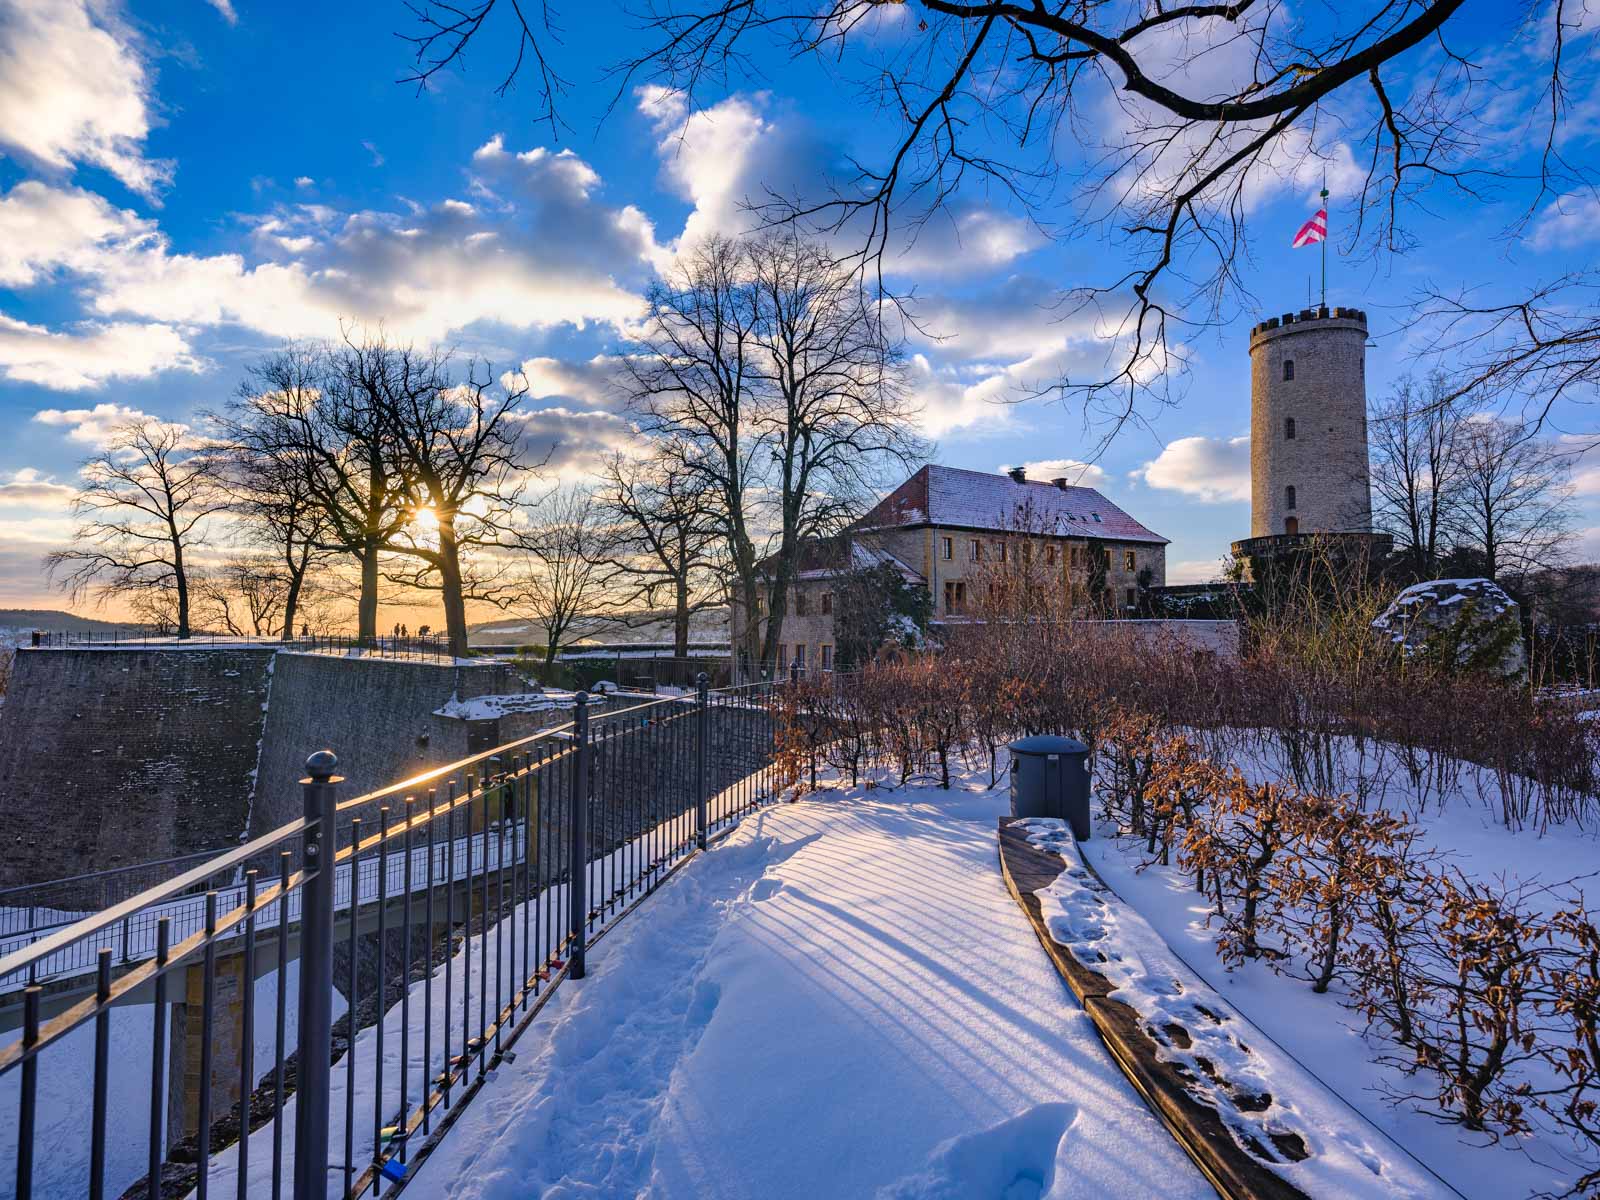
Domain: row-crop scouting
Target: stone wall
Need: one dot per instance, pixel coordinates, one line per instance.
(378, 715)
(110, 757)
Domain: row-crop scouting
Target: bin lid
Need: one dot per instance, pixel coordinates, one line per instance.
(1047, 743)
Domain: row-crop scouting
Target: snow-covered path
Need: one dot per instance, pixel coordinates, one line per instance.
(840, 1000)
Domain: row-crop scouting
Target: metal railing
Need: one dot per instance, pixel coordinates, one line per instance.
(442, 911)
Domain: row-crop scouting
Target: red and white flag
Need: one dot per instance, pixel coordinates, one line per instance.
(1313, 231)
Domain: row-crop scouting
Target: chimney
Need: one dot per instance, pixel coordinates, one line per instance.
(1018, 475)
(1060, 481)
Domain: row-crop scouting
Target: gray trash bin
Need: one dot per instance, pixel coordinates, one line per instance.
(1050, 778)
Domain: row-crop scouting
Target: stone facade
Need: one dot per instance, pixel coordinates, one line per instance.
(944, 527)
(1308, 424)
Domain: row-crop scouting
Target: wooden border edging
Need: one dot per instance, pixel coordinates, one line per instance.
(1197, 1127)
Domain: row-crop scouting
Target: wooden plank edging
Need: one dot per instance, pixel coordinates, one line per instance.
(1197, 1127)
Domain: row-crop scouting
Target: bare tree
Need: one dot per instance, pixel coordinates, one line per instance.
(665, 537)
(766, 370)
(562, 579)
(143, 508)
(319, 413)
(270, 491)
(1152, 125)
(693, 385)
(1416, 446)
(835, 414)
(455, 444)
(1515, 506)
(250, 595)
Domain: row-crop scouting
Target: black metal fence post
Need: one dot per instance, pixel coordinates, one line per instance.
(577, 868)
(320, 793)
(701, 716)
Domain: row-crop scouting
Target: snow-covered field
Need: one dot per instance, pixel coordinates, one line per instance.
(1319, 1031)
(840, 1000)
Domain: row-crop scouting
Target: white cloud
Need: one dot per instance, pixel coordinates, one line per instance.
(572, 445)
(736, 154)
(1567, 222)
(304, 181)
(225, 10)
(91, 426)
(1586, 545)
(44, 228)
(1195, 570)
(377, 155)
(539, 250)
(75, 90)
(28, 488)
(90, 355)
(1215, 470)
(1077, 474)
(590, 383)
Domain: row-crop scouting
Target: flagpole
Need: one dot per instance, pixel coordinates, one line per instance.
(1325, 244)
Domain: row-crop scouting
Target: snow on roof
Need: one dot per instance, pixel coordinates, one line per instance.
(938, 495)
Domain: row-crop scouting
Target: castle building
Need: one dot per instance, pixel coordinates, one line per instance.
(1309, 472)
(940, 527)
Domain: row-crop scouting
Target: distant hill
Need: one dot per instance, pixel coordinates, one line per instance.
(56, 620)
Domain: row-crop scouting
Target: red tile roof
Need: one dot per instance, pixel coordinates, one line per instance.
(951, 496)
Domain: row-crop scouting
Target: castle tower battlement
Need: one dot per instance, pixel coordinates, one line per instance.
(1308, 424)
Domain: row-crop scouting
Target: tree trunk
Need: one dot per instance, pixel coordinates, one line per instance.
(455, 607)
(367, 609)
(291, 603)
(182, 579)
(680, 620)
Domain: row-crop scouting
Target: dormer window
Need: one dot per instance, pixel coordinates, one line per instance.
(1288, 369)
(1288, 429)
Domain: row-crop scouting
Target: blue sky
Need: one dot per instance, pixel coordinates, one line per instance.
(184, 185)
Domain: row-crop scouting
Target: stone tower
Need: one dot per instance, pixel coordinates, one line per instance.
(1308, 424)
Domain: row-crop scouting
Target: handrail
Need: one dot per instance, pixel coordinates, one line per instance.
(67, 935)
(78, 930)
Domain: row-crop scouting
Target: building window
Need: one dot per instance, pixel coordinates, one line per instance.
(1291, 525)
(800, 655)
(1129, 562)
(1000, 551)
(1107, 553)
(1133, 598)
(1096, 517)
(827, 658)
(827, 604)
(800, 601)
(976, 550)
(1072, 555)
(1288, 496)
(1288, 368)
(1288, 429)
(955, 596)
(783, 655)
(1050, 556)
(1027, 551)
(947, 548)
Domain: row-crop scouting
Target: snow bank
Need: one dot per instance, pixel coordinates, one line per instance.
(1347, 1156)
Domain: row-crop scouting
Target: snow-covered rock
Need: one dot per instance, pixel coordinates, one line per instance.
(1470, 624)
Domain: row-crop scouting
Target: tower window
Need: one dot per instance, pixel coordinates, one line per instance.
(1288, 368)
(1291, 525)
(1288, 429)
(1288, 496)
